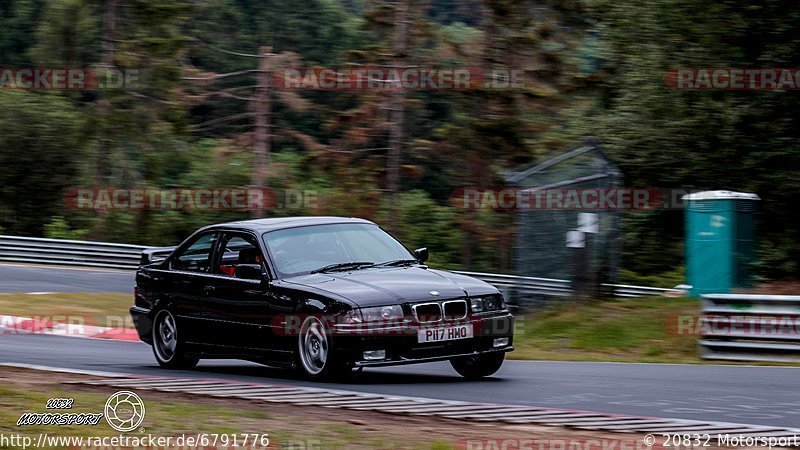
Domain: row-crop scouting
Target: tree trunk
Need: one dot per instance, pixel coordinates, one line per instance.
(396, 113)
(262, 138)
(103, 105)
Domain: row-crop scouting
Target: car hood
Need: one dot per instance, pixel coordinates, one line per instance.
(393, 285)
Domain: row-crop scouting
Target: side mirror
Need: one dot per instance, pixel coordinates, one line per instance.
(248, 271)
(421, 254)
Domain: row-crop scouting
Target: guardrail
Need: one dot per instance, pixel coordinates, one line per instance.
(71, 253)
(125, 256)
(746, 327)
(516, 286)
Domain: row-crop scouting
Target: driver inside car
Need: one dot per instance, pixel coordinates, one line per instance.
(246, 256)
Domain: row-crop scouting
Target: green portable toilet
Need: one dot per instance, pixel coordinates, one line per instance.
(720, 228)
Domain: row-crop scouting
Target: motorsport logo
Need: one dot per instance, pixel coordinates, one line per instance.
(123, 411)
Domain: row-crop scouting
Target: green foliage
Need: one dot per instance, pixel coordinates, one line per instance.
(68, 34)
(39, 155)
(59, 228)
(460, 33)
(592, 67)
(318, 30)
(663, 280)
(424, 223)
(667, 138)
(18, 20)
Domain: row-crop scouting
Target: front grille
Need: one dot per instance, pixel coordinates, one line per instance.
(427, 312)
(455, 309)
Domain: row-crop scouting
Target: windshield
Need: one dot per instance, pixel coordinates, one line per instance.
(297, 251)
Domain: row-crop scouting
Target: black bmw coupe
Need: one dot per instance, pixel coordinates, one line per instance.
(320, 295)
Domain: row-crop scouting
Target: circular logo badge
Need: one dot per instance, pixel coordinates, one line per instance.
(124, 411)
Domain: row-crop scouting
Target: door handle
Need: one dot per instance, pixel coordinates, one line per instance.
(208, 290)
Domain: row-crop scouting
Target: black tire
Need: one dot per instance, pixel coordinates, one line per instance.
(478, 366)
(314, 355)
(168, 348)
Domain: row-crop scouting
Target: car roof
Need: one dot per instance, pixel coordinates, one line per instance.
(279, 223)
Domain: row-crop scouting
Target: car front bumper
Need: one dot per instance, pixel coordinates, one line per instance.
(402, 360)
(401, 345)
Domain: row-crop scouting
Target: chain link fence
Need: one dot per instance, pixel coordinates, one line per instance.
(540, 249)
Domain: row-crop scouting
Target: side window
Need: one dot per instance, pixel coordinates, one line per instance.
(196, 257)
(239, 250)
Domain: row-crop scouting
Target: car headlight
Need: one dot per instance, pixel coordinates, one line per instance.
(353, 316)
(487, 303)
(476, 303)
(381, 313)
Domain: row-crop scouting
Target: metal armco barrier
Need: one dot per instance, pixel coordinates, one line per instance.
(69, 253)
(746, 327)
(525, 286)
(125, 256)
(519, 286)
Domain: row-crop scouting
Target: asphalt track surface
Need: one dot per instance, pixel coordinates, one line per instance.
(56, 279)
(742, 394)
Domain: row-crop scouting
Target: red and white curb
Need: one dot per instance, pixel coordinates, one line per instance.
(27, 325)
(465, 411)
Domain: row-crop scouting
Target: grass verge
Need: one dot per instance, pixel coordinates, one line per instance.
(101, 309)
(625, 330)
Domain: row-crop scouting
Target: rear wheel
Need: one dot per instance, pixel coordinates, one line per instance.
(315, 358)
(167, 346)
(478, 366)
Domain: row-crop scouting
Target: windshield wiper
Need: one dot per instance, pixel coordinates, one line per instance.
(397, 262)
(343, 266)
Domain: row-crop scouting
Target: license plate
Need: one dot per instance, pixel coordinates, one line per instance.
(444, 333)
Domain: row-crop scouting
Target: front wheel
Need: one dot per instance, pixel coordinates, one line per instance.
(315, 359)
(167, 346)
(478, 366)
